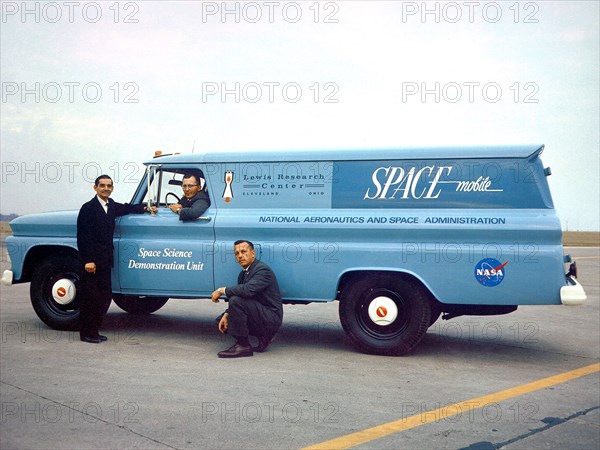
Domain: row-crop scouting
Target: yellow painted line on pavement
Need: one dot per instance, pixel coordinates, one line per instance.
(377, 432)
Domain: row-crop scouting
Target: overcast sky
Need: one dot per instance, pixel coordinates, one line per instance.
(90, 87)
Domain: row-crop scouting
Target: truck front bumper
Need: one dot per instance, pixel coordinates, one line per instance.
(7, 278)
(572, 294)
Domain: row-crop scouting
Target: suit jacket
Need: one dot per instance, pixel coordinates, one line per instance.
(95, 230)
(194, 207)
(259, 284)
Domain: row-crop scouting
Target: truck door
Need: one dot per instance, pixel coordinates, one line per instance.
(160, 255)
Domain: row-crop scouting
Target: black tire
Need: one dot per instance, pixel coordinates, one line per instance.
(436, 311)
(401, 335)
(134, 304)
(57, 315)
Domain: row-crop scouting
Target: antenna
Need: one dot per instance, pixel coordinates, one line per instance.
(193, 145)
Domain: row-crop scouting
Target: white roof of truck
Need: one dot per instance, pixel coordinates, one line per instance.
(409, 153)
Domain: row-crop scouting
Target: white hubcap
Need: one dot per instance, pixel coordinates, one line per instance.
(383, 311)
(63, 291)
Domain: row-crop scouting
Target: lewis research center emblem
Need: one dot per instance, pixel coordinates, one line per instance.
(228, 191)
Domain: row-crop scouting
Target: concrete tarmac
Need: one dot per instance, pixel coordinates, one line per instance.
(157, 383)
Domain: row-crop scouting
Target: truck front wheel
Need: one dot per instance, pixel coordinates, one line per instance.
(53, 292)
(134, 304)
(384, 314)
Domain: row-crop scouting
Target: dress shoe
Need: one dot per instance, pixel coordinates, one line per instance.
(236, 351)
(263, 343)
(102, 338)
(90, 339)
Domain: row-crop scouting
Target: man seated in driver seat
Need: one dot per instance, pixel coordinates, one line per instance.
(195, 198)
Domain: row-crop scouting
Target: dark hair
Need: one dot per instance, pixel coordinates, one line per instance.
(241, 241)
(190, 175)
(100, 177)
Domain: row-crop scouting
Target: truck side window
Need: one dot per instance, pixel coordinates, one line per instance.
(165, 185)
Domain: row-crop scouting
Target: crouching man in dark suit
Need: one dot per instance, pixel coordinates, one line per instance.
(95, 227)
(255, 306)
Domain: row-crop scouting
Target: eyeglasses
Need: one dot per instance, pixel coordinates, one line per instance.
(188, 186)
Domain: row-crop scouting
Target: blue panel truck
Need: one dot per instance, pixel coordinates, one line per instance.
(398, 236)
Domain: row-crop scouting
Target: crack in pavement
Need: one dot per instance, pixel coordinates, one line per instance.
(70, 406)
(550, 421)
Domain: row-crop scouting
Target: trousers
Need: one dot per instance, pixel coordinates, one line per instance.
(95, 301)
(248, 317)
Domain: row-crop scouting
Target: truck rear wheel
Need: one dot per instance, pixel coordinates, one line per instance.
(53, 292)
(138, 304)
(384, 314)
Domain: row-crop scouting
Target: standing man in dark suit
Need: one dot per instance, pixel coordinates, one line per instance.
(255, 306)
(95, 227)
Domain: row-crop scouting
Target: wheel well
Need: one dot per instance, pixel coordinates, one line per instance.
(350, 278)
(39, 253)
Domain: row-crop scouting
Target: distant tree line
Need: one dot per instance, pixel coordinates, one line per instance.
(8, 217)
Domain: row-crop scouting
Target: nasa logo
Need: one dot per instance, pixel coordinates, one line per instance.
(490, 272)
